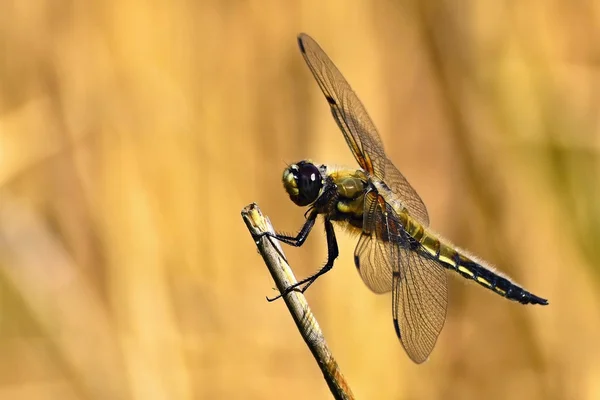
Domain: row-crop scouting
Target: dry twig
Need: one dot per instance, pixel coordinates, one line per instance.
(296, 302)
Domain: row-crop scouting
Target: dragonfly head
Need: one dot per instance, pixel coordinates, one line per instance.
(303, 182)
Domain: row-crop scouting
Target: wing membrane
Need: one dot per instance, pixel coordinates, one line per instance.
(371, 256)
(418, 284)
(358, 128)
(420, 300)
(406, 193)
(349, 113)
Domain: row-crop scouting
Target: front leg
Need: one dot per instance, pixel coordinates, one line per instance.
(332, 254)
(300, 238)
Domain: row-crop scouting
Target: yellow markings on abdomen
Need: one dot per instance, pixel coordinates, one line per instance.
(449, 256)
(502, 292)
(428, 242)
(466, 271)
(431, 244)
(483, 281)
(453, 258)
(467, 267)
(459, 262)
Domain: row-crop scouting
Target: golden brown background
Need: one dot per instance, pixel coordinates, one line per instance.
(131, 136)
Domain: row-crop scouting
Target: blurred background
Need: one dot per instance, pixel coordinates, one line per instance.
(132, 135)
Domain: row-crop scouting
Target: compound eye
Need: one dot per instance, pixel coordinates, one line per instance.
(308, 179)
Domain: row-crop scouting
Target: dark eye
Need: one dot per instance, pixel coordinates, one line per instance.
(308, 179)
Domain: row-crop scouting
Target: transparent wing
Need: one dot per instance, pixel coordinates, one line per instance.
(349, 113)
(419, 303)
(406, 193)
(419, 287)
(372, 256)
(358, 128)
(373, 263)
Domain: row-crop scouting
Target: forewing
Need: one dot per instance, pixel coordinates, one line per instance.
(349, 113)
(358, 128)
(405, 193)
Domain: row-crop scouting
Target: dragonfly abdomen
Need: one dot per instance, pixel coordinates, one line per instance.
(485, 276)
(430, 246)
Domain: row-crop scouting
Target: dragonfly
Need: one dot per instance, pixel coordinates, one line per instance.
(396, 249)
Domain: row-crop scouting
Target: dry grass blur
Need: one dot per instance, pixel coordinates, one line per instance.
(131, 136)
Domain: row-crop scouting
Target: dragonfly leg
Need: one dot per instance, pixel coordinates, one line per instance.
(332, 254)
(300, 238)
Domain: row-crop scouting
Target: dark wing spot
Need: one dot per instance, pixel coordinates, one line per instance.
(331, 101)
(300, 44)
(397, 328)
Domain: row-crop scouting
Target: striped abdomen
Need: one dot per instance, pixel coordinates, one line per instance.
(430, 246)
